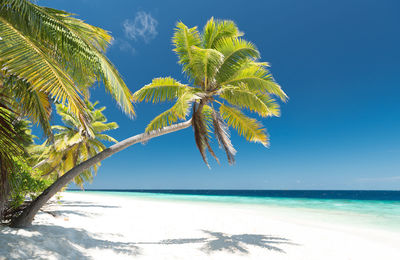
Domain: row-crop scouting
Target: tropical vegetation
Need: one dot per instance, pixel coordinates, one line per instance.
(225, 80)
(48, 57)
(72, 146)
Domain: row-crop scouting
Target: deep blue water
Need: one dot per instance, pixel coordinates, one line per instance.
(306, 194)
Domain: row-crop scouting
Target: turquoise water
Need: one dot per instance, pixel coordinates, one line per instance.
(374, 213)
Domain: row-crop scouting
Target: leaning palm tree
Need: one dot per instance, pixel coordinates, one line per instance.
(225, 77)
(71, 146)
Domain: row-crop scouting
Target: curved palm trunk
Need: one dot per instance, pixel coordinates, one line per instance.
(26, 217)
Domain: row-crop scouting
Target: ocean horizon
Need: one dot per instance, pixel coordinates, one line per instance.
(391, 195)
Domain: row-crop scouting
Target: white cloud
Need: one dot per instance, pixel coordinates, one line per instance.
(126, 46)
(122, 45)
(143, 26)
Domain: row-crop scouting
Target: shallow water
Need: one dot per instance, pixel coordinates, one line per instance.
(382, 214)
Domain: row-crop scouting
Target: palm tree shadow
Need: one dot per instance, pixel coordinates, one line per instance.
(218, 241)
(240, 243)
(67, 213)
(65, 243)
(85, 204)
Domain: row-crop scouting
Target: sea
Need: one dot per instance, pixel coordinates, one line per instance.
(367, 208)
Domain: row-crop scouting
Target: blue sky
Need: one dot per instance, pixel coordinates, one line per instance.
(339, 62)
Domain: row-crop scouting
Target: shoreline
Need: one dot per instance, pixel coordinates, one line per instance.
(345, 217)
(98, 226)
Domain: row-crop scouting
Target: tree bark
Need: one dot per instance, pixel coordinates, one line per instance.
(26, 217)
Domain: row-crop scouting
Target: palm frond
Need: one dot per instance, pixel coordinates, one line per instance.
(107, 138)
(78, 47)
(73, 139)
(205, 64)
(236, 52)
(72, 146)
(67, 117)
(24, 57)
(242, 97)
(208, 117)
(221, 132)
(184, 39)
(9, 149)
(54, 26)
(257, 79)
(98, 38)
(98, 146)
(201, 133)
(9, 139)
(62, 128)
(99, 127)
(246, 126)
(178, 111)
(32, 103)
(160, 90)
(95, 36)
(115, 85)
(215, 30)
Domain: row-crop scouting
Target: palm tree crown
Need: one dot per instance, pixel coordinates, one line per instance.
(47, 55)
(225, 77)
(72, 146)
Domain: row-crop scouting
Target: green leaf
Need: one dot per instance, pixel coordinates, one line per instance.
(178, 111)
(31, 103)
(76, 46)
(257, 79)
(72, 146)
(215, 30)
(184, 39)
(242, 97)
(205, 64)
(99, 126)
(236, 52)
(246, 126)
(161, 89)
(107, 138)
(24, 57)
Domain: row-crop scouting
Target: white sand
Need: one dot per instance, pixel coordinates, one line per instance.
(91, 226)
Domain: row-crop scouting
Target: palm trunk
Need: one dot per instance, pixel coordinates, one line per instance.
(26, 217)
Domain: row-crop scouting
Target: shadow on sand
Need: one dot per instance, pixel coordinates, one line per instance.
(67, 213)
(218, 241)
(65, 243)
(84, 204)
(46, 241)
(71, 243)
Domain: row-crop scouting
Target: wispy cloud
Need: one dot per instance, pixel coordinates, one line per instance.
(143, 26)
(126, 46)
(122, 45)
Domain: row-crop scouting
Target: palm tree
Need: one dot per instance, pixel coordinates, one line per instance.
(72, 147)
(223, 69)
(225, 77)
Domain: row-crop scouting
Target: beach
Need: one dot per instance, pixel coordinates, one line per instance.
(89, 225)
